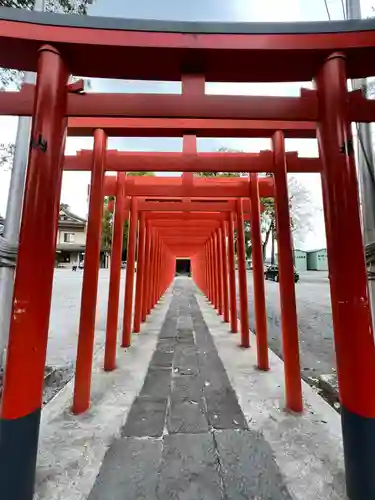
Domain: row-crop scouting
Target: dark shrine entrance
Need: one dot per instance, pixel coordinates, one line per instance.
(183, 267)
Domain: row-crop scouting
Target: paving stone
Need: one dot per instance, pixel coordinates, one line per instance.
(166, 345)
(161, 359)
(186, 386)
(248, 467)
(157, 383)
(214, 377)
(223, 410)
(146, 418)
(186, 340)
(169, 328)
(189, 468)
(184, 326)
(129, 471)
(186, 356)
(187, 416)
(168, 332)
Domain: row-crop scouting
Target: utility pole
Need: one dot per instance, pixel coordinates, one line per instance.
(13, 214)
(366, 175)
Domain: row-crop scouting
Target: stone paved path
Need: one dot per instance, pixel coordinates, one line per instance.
(186, 437)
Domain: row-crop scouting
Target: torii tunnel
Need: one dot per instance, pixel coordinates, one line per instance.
(211, 209)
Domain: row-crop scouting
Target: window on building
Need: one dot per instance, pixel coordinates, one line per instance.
(69, 237)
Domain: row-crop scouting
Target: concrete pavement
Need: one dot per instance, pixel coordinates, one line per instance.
(65, 310)
(314, 321)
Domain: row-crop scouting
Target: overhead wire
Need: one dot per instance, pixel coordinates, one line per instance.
(327, 9)
(343, 10)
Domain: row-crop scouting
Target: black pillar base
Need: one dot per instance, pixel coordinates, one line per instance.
(359, 451)
(18, 454)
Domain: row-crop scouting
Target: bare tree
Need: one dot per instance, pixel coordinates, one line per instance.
(301, 213)
(301, 210)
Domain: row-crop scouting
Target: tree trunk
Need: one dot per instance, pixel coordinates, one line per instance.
(266, 239)
(273, 246)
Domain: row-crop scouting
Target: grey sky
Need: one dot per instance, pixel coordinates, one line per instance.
(75, 184)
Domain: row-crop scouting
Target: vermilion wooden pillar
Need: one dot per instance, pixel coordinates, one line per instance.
(140, 273)
(354, 341)
(289, 323)
(85, 349)
(258, 276)
(161, 270)
(28, 334)
(115, 275)
(147, 272)
(220, 270)
(210, 276)
(152, 269)
(207, 267)
(156, 273)
(130, 268)
(242, 281)
(225, 272)
(232, 275)
(215, 272)
(159, 273)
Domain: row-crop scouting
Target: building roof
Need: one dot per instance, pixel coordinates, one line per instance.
(67, 218)
(317, 250)
(70, 247)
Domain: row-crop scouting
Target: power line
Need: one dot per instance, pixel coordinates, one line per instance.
(342, 6)
(343, 10)
(327, 9)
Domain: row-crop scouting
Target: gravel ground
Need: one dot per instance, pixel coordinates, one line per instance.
(314, 321)
(64, 319)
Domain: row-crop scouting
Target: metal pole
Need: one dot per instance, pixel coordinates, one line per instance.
(365, 172)
(13, 213)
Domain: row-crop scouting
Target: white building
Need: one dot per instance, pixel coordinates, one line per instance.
(71, 239)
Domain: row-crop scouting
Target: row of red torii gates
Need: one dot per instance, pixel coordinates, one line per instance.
(210, 209)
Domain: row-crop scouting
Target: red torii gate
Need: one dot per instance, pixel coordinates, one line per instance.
(93, 47)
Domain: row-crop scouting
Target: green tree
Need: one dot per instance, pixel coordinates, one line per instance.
(107, 221)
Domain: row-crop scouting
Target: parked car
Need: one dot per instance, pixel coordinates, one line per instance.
(272, 273)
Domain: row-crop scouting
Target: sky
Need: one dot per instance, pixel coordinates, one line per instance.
(74, 189)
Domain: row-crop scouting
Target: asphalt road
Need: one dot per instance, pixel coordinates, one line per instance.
(314, 321)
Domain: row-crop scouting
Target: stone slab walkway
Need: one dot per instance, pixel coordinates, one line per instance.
(185, 436)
